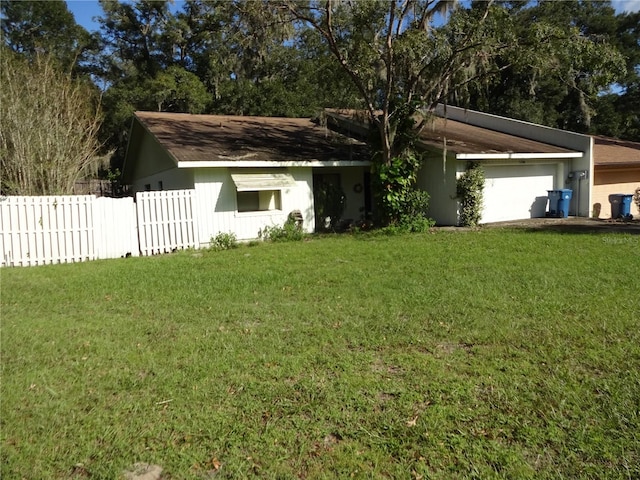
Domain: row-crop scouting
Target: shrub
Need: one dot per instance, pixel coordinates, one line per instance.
(470, 187)
(392, 185)
(290, 231)
(224, 241)
(414, 216)
(636, 197)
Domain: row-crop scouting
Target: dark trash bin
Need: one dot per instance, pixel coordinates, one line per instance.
(559, 201)
(621, 205)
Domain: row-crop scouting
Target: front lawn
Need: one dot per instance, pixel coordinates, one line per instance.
(489, 354)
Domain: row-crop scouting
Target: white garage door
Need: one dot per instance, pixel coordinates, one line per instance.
(515, 192)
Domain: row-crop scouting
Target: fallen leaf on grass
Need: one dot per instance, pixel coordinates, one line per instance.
(412, 422)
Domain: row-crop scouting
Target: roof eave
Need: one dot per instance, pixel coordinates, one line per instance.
(518, 156)
(272, 163)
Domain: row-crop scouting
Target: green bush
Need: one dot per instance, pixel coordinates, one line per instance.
(414, 216)
(290, 231)
(224, 241)
(392, 185)
(470, 189)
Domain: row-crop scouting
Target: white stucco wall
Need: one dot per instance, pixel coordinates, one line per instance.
(218, 212)
(153, 164)
(438, 178)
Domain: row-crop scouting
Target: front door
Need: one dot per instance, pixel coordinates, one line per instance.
(329, 200)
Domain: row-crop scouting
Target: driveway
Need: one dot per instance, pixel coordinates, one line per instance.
(572, 225)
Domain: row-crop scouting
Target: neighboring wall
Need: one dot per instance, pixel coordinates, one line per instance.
(608, 181)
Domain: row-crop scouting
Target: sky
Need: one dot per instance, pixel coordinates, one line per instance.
(85, 10)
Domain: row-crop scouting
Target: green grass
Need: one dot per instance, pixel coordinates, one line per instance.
(489, 354)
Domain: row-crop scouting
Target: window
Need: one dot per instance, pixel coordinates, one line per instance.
(259, 201)
(261, 191)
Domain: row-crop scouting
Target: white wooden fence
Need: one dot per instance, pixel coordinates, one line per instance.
(63, 229)
(165, 221)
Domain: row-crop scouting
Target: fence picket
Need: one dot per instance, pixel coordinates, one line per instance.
(75, 228)
(164, 224)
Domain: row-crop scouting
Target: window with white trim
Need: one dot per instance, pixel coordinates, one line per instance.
(260, 191)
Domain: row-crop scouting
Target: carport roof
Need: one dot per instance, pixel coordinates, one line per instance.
(610, 152)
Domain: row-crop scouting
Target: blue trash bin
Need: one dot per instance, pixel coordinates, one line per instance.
(559, 201)
(621, 205)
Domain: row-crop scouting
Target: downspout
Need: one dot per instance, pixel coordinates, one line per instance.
(582, 175)
(578, 199)
(575, 178)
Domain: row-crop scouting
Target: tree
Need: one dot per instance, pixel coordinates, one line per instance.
(177, 90)
(131, 35)
(575, 57)
(618, 114)
(403, 64)
(32, 28)
(48, 126)
(252, 61)
(139, 69)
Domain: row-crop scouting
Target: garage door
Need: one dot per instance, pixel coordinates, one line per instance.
(515, 192)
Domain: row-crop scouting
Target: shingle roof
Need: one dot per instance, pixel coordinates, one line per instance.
(612, 152)
(463, 138)
(195, 138)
